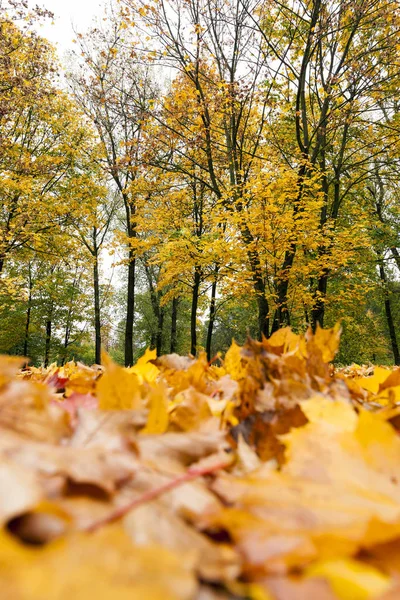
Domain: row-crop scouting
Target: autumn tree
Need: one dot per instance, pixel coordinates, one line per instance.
(115, 92)
(338, 63)
(218, 56)
(43, 137)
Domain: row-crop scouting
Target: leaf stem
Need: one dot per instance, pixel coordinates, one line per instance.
(191, 474)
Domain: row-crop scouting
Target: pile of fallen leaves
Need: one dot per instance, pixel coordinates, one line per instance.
(265, 475)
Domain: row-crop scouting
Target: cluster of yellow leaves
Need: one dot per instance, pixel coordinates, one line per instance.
(267, 476)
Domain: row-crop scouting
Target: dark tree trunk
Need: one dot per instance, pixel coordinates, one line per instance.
(389, 315)
(174, 320)
(318, 310)
(153, 340)
(130, 311)
(211, 319)
(28, 312)
(97, 319)
(193, 314)
(258, 282)
(158, 310)
(263, 315)
(282, 314)
(48, 343)
(160, 329)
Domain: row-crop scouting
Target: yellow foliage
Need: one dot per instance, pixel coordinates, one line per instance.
(104, 564)
(295, 467)
(118, 389)
(233, 362)
(144, 369)
(157, 421)
(351, 580)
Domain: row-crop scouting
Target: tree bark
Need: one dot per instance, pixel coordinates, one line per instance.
(263, 318)
(318, 310)
(130, 310)
(282, 315)
(174, 320)
(160, 329)
(211, 318)
(48, 342)
(258, 281)
(389, 315)
(28, 312)
(97, 318)
(193, 314)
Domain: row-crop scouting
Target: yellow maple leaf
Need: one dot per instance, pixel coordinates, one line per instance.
(327, 340)
(372, 384)
(157, 421)
(233, 362)
(288, 339)
(144, 369)
(118, 388)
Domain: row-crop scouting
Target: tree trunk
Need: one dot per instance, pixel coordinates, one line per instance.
(153, 340)
(174, 319)
(258, 282)
(130, 311)
(211, 318)
(282, 315)
(193, 314)
(389, 315)
(318, 310)
(160, 328)
(97, 319)
(48, 343)
(28, 312)
(263, 318)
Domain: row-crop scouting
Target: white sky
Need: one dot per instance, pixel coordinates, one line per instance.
(68, 14)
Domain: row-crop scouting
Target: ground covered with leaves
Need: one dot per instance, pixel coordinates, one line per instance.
(266, 475)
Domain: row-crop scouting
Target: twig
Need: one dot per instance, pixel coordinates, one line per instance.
(191, 474)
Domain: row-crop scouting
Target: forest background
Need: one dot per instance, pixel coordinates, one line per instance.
(232, 163)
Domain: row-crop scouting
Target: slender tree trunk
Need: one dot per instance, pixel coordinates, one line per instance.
(97, 319)
(28, 312)
(258, 282)
(158, 310)
(193, 314)
(48, 342)
(211, 319)
(389, 315)
(318, 310)
(174, 320)
(282, 314)
(1, 264)
(153, 340)
(160, 329)
(130, 311)
(263, 315)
